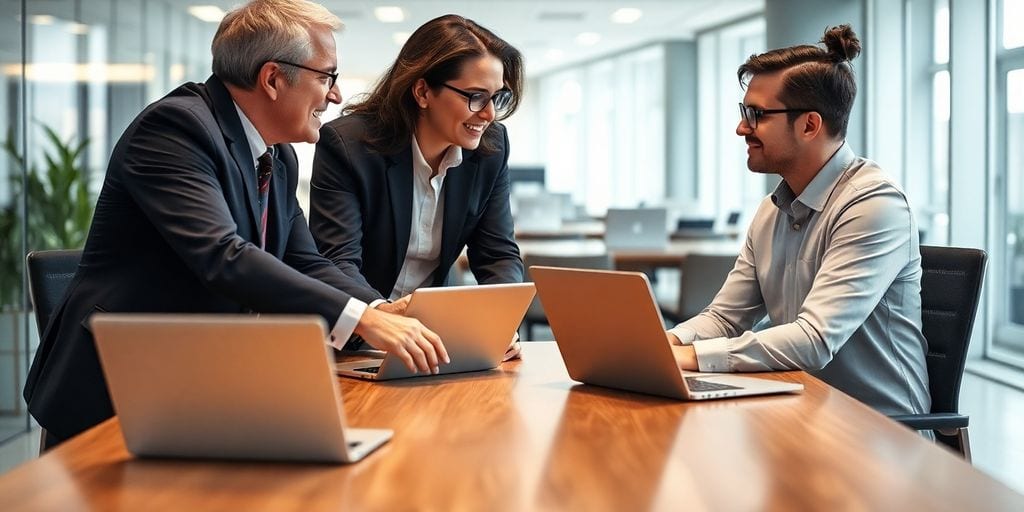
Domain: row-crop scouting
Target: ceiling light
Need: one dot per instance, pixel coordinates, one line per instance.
(588, 38)
(400, 37)
(78, 28)
(207, 13)
(626, 15)
(41, 19)
(389, 14)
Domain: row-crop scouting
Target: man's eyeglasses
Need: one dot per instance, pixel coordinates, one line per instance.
(478, 100)
(333, 76)
(752, 114)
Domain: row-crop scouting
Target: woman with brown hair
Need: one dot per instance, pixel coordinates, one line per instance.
(418, 170)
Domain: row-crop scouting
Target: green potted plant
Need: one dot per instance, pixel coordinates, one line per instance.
(59, 213)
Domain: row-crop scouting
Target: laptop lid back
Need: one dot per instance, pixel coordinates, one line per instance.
(608, 329)
(475, 323)
(222, 386)
(636, 228)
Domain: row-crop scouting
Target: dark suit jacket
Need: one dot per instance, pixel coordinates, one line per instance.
(174, 231)
(361, 209)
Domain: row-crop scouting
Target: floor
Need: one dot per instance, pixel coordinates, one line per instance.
(996, 410)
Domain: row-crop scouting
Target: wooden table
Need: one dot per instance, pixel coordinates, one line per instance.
(525, 437)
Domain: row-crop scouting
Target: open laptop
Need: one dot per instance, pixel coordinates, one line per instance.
(227, 386)
(610, 333)
(475, 323)
(636, 228)
(538, 212)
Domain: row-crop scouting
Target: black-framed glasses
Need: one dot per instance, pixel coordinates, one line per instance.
(333, 76)
(752, 114)
(478, 100)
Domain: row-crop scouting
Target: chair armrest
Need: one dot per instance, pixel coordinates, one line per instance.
(933, 421)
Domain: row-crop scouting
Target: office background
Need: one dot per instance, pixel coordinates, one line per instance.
(620, 110)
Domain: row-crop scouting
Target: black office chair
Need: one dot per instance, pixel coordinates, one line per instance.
(535, 315)
(49, 274)
(950, 289)
(701, 277)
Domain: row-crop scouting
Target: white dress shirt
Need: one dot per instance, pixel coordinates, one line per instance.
(354, 308)
(424, 251)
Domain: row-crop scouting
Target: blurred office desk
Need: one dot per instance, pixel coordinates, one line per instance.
(672, 255)
(525, 437)
(582, 229)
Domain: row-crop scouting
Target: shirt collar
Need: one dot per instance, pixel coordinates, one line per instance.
(452, 158)
(256, 144)
(817, 192)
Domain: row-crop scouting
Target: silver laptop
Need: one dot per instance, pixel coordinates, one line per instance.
(636, 228)
(538, 212)
(227, 386)
(615, 337)
(475, 323)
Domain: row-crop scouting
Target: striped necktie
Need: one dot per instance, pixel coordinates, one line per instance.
(264, 170)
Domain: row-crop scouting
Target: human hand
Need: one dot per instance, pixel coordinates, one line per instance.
(397, 307)
(415, 345)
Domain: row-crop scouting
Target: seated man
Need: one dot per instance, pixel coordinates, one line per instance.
(198, 214)
(831, 257)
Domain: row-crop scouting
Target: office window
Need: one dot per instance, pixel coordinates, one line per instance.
(927, 109)
(602, 130)
(721, 154)
(90, 67)
(1008, 342)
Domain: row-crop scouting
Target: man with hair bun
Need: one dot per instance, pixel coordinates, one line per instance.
(831, 262)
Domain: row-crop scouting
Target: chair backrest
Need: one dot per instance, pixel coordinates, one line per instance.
(951, 283)
(702, 277)
(49, 273)
(595, 261)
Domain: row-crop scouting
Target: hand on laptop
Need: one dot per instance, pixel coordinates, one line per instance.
(397, 307)
(418, 347)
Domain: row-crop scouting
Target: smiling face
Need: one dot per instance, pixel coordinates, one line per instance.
(773, 146)
(302, 103)
(445, 118)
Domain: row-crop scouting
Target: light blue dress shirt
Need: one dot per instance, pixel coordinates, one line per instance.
(837, 270)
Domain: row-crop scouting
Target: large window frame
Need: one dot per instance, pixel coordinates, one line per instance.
(1005, 245)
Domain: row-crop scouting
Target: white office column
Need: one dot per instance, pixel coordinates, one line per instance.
(884, 86)
(970, 120)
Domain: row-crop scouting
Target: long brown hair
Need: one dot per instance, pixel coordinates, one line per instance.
(818, 79)
(435, 52)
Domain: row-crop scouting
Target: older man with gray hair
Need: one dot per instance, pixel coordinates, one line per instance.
(198, 214)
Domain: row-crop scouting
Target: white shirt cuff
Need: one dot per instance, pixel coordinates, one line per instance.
(378, 302)
(686, 336)
(712, 355)
(347, 322)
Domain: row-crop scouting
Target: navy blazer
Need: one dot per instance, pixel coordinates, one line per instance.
(174, 231)
(361, 209)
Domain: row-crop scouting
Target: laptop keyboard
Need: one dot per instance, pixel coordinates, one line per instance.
(697, 385)
(371, 369)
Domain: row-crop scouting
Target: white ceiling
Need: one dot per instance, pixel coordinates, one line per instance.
(366, 46)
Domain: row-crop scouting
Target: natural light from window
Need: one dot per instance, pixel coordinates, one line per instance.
(942, 35)
(1013, 33)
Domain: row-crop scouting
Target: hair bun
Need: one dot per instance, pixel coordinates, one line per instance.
(842, 43)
